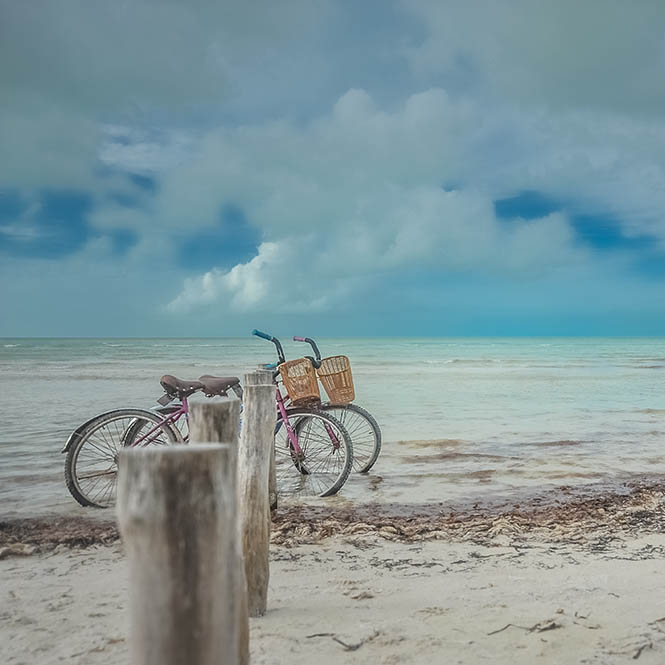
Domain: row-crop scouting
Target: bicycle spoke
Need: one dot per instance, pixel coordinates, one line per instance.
(108, 494)
(364, 432)
(322, 464)
(94, 475)
(91, 468)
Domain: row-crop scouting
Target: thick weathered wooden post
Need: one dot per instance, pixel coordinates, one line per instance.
(260, 378)
(220, 421)
(215, 421)
(258, 435)
(177, 512)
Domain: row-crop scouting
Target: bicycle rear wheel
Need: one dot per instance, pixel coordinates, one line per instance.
(91, 466)
(326, 456)
(364, 432)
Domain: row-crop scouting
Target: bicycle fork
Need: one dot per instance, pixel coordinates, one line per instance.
(333, 436)
(290, 432)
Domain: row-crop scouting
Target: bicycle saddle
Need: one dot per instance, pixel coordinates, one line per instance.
(218, 385)
(179, 388)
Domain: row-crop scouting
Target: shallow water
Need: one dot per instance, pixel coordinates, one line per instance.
(462, 418)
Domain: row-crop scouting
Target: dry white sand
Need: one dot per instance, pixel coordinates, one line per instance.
(370, 600)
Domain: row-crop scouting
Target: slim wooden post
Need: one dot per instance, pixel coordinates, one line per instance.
(272, 480)
(258, 435)
(259, 378)
(220, 421)
(177, 512)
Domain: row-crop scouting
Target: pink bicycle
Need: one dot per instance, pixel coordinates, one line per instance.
(362, 427)
(313, 450)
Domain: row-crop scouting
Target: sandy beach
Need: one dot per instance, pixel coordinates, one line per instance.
(572, 578)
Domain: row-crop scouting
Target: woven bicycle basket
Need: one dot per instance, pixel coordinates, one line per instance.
(335, 375)
(299, 379)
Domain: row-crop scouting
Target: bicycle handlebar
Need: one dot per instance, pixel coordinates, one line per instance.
(263, 335)
(274, 340)
(315, 348)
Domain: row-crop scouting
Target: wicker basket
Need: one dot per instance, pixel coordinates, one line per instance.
(300, 381)
(335, 375)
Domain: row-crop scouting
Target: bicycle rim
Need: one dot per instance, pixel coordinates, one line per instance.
(91, 469)
(364, 432)
(326, 456)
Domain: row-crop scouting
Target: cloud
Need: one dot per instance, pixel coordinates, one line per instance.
(71, 69)
(604, 55)
(363, 151)
(242, 281)
(109, 56)
(357, 194)
(266, 282)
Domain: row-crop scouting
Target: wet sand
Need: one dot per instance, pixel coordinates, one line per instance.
(567, 576)
(600, 511)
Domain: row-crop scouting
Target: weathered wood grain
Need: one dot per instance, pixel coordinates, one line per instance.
(220, 421)
(258, 433)
(262, 377)
(177, 512)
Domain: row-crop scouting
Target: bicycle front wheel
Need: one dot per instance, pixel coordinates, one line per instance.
(364, 432)
(324, 461)
(91, 466)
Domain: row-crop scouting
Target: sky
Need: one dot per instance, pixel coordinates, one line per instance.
(330, 167)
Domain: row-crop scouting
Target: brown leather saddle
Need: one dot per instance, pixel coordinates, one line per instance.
(219, 385)
(179, 388)
(211, 386)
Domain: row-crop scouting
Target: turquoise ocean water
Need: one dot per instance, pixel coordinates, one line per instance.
(463, 419)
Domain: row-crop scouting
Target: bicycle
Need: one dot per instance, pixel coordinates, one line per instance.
(362, 427)
(313, 455)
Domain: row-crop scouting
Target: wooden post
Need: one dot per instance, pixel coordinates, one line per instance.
(220, 421)
(272, 479)
(258, 436)
(262, 377)
(215, 421)
(177, 512)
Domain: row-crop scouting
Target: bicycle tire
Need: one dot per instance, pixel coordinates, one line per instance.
(364, 431)
(104, 436)
(311, 476)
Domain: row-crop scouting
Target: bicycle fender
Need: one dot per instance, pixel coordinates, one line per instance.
(76, 434)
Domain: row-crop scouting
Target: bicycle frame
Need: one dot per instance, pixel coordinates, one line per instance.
(290, 432)
(170, 419)
(183, 409)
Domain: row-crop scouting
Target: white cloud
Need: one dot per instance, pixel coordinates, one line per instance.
(242, 279)
(272, 275)
(375, 221)
(359, 191)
